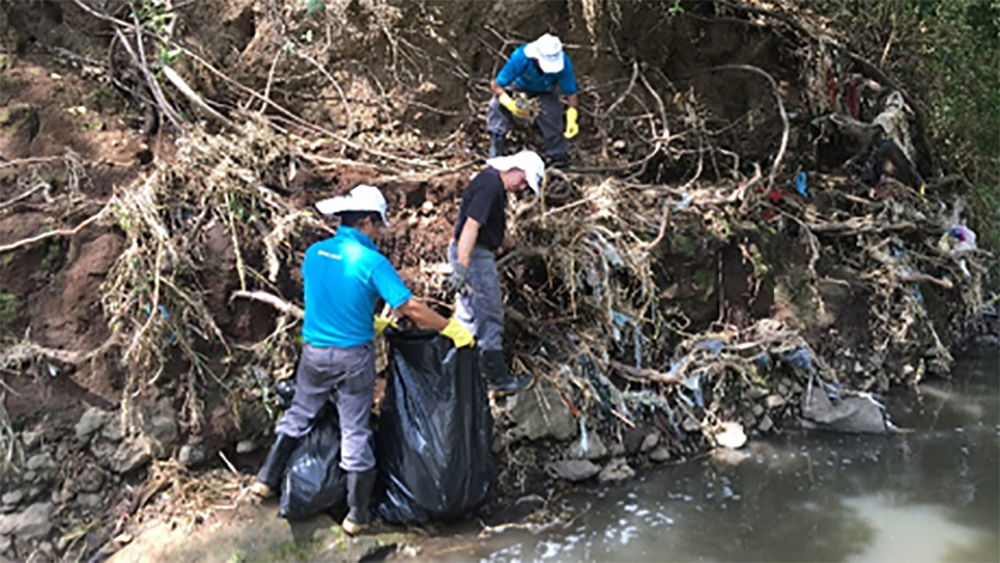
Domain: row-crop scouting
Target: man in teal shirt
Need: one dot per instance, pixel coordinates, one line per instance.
(343, 279)
(536, 69)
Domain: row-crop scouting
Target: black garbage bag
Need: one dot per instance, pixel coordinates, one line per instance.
(314, 481)
(285, 391)
(435, 431)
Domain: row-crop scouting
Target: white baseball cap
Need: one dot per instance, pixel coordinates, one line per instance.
(528, 161)
(548, 51)
(362, 198)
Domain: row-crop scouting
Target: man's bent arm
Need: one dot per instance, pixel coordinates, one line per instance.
(497, 89)
(467, 240)
(424, 316)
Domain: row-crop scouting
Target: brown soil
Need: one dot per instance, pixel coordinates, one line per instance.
(55, 110)
(58, 282)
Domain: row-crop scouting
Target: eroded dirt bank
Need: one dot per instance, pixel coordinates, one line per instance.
(675, 287)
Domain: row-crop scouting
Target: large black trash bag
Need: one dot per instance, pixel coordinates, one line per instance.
(435, 431)
(314, 481)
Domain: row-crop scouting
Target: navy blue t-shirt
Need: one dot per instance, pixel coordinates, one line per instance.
(485, 201)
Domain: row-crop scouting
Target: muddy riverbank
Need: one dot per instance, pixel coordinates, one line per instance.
(714, 266)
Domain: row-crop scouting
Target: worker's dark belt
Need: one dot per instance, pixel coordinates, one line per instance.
(479, 246)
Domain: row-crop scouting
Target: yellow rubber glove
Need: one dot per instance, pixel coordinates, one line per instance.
(511, 105)
(458, 334)
(382, 322)
(571, 127)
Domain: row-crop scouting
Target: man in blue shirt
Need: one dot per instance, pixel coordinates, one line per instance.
(343, 279)
(536, 69)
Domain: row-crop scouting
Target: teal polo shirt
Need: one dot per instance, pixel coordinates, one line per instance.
(343, 278)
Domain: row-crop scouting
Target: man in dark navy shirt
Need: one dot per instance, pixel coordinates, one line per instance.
(479, 232)
(536, 69)
(343, 278)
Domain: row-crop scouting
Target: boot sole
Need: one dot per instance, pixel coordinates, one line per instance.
(352, 529)
(504, 392)
(260, 490)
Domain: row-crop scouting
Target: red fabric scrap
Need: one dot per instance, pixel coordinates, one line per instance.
(852, 99)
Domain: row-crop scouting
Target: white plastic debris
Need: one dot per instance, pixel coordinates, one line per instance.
(730, 435)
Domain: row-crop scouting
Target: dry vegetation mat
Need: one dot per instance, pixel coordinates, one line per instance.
(701, 271)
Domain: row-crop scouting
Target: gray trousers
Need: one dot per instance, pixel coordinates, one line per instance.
(551, 121)
(345, 376)
(480, 307)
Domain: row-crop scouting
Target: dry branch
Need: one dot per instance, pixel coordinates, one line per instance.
(644, 374)
(859, 225)
(197, 100)
(272, 300)
(30, 351)
(58, 233)
(28, 193)
(776, 165)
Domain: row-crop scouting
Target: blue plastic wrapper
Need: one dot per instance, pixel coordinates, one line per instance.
(801, 185)
(799, 359)
(712, 345)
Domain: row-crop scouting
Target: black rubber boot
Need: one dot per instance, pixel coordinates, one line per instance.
(497, 145)
(558, 160)
(499, 379)
(273, 469)
(359, 495)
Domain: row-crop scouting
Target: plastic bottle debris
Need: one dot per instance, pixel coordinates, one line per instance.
(713, 345)
(965, 268)
(800, 184)
(895, 250)
(694, 384)
(165, 316)
(966, 239)
(675, 366)
(683, 204)
(730, 435)
(957, 239)
(800, 359)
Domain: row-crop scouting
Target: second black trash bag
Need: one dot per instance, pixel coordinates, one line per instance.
(435, 431)
(314, 481)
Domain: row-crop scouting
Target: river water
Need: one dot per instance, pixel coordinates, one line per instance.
(929, 494)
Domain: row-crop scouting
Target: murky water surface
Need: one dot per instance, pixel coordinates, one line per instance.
(932, 494)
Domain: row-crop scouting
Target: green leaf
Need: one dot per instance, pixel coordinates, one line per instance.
(313, 6)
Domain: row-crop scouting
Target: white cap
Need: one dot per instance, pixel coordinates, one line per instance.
(361, 198)
(548, 51)
(527, 161)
